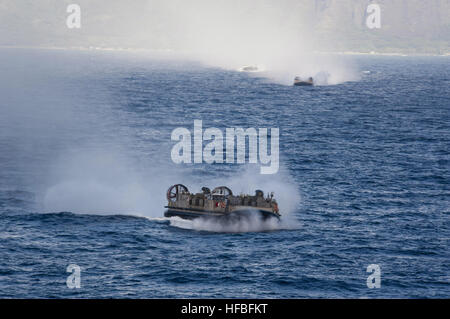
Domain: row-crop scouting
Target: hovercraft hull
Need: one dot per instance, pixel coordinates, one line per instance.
(235, 215)
(303, 84)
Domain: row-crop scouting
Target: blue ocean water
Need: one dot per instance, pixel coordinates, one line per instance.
(85, 162)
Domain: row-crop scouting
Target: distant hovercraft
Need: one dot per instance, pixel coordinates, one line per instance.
(250, 68)
(299, 82)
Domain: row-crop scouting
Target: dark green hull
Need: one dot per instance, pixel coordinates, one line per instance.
(303, 84)
(235, 215)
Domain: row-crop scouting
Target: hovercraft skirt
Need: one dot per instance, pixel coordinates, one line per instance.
(192, 214)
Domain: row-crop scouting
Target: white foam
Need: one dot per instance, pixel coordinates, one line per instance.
(252, 223)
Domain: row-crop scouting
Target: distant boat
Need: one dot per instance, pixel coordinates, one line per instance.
(249, 68)
(299, 82)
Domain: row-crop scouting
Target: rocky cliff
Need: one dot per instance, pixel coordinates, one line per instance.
(409, 26)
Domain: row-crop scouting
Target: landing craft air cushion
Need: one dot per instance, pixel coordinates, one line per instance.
(219, 203)
(299, 82)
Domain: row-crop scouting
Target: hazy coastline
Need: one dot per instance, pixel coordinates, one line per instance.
(171, 51)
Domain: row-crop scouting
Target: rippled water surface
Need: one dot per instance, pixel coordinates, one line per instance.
(85, 163)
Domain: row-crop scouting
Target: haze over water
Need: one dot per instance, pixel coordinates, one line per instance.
(85, 163)
(86, 117)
